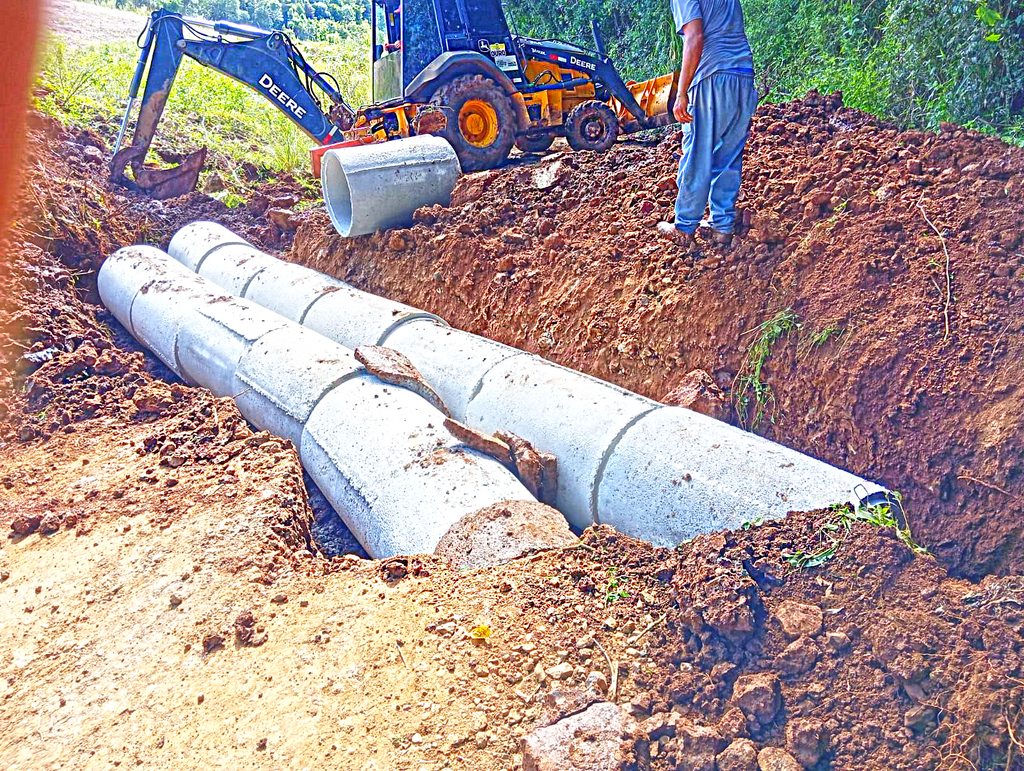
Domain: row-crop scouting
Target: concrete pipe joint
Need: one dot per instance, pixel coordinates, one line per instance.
(380, 454)
(378, 186)
(655, 472)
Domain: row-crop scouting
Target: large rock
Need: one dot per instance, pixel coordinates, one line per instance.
(758, 695)
(503, 532)
(740, 755)
(601, 738)
(806, 740)
(775, 759)
(699, 392)
(799, 619)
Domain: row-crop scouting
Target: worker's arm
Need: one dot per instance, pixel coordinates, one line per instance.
(693, 47)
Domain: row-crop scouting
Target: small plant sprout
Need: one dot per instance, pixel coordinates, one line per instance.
(749, 524)
(615, 589)
(816, 340)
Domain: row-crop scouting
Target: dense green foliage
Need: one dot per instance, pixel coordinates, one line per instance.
(919, 63)
(310, 19)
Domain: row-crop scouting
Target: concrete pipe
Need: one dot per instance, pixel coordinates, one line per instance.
(660, 473)
(378, 186)
(331, 307)
(379, 453)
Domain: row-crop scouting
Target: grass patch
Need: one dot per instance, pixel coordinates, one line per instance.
(88, 88)
(815, 340)
(833, 534)
(749, 385)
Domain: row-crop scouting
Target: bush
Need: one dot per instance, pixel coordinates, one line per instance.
(916, 63)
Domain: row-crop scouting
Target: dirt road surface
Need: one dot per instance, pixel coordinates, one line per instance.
(84, 24)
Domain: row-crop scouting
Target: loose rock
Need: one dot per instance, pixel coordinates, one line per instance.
(601, 738)
(775, 759)
(758, 695)
(799, 619)
(740, 755)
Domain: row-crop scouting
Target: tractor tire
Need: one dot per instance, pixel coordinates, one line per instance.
(537, 143)
(591, 125)
(482, 127)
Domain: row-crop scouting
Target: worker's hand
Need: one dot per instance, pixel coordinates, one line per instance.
(681, 109)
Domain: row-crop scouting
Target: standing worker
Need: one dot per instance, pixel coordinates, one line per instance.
(715, 102)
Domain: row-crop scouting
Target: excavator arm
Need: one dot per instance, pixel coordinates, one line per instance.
(266, 61)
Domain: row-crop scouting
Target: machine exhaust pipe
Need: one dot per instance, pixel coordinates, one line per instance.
(655, 472)
(380, 454)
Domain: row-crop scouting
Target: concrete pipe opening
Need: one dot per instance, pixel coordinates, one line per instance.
(379, 186)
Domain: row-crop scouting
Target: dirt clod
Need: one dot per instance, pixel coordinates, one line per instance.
(740, 755)
(799, 619)
(758, 695)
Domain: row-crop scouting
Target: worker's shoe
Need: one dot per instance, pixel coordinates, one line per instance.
(682, 239)
(716, 237)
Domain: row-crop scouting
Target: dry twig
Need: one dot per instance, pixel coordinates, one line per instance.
(949, 278)
(401, 655)
(990, 486)
(613, 672)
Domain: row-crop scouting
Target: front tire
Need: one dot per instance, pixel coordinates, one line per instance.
(591, 125)
(482, 126)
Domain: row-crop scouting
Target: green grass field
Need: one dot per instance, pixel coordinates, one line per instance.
(88, 88)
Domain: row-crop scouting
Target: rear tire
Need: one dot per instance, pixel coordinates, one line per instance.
(535, 144)
(591, 125)
(482, 123)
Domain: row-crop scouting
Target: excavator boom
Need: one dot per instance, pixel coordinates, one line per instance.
(266, 61)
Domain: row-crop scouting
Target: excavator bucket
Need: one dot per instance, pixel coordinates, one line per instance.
(161, 50)
(655, 97)
(158, 183)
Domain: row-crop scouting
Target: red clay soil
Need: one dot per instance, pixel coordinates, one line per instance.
(70, 358)
(869, 657)
(899, 254)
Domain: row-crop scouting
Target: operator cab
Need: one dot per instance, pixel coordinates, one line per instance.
(408, 35)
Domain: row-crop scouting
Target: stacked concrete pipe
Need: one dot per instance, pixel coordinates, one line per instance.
(377, 186)
(660, 473)
(379, 453)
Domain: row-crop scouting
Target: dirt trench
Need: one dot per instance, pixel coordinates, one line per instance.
(894, 260)
(163, 604)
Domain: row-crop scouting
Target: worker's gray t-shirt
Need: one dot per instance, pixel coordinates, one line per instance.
(725, 39)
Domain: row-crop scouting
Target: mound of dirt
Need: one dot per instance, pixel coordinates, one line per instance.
(165, 600)
(63, 358)
(895, 259)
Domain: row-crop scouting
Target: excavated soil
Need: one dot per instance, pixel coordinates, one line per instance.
(163, 603)
(899, 253)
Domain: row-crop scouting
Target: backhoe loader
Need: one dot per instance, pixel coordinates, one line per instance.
(446, 67)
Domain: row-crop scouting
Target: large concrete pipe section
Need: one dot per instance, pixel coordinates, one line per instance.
(377, 186)
(655, 472)
(379, 453)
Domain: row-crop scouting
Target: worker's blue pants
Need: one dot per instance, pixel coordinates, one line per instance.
(722, 105)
